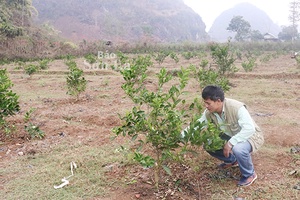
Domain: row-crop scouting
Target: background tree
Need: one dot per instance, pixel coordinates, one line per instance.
(241, 27)
(7, 27)
(14, 16)
(256, 35)
(288, 33)
(294, 17)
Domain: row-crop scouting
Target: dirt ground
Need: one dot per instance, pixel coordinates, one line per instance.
(272, 92)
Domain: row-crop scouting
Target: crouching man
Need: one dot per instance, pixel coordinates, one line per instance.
(241, 133)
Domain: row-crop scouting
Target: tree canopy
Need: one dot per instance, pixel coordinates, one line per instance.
(241, 27)
(288, 33)
(14, 16)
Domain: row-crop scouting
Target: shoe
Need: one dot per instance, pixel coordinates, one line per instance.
(247, 181)
(228, 165)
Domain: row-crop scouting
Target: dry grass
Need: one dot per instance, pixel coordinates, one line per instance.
(34, 176)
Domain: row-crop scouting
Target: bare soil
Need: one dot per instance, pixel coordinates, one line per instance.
(272, 92)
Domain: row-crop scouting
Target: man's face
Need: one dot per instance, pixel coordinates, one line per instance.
(213, 106)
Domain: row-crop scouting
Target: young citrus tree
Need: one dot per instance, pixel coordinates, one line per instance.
(208, 76)
(90, 58)
(76, 82)
(31, 69)
(43, 64)
(224, 58)
(159, 115)
(161, 56)
(9, 104)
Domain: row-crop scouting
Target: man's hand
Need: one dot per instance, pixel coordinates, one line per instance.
(227, 149)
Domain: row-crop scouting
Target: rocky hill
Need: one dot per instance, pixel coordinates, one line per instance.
(123, 20)
(257, 18)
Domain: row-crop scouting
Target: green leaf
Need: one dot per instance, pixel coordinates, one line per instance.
(167, 169)
(134, 137)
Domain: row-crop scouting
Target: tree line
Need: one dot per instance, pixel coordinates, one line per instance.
(243, 30)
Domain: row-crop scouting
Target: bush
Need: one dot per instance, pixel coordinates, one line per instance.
(9, 104)
(90, 58)
(76, 83)
(210, 77)
(224, 58)
(161, 56)
(249, 65)
(31, 69)
(188, 55)
(43, 64)
(174, 57)
(34, 131)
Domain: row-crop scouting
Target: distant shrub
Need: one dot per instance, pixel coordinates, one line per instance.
(188, 55)
(265, 58)
(248, 65)
(161, 56)
(43, 64)
(204, 63)
(174, 57)
(91, 58)
(30, 69)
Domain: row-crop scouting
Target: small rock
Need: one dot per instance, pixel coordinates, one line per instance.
(109, 167)
(31, 152)
(2, 149)
(8, 151)
(297, 187)
(62, 134)
(294, 172)
(295, 149)
(21, 153)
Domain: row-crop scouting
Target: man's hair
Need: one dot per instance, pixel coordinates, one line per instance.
(213, 93)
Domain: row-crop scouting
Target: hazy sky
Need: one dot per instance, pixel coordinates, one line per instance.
(209, 10)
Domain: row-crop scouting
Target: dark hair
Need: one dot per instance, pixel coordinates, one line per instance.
(213, 93)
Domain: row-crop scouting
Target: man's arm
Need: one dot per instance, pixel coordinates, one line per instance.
(247, 127)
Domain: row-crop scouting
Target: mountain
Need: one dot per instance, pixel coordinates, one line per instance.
(122, 20)
(257, 18)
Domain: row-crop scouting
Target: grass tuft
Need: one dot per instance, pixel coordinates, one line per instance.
(34, 177)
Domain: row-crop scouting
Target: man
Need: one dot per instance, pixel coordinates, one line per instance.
(242, 134)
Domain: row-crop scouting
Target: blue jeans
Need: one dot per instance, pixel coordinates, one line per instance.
(241, 154)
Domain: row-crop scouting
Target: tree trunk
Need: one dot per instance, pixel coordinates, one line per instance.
(157, 169)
